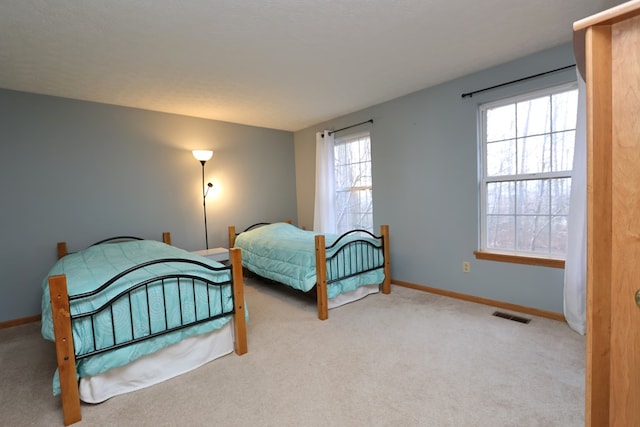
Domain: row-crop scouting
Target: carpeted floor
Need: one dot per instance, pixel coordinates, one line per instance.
(405, 359)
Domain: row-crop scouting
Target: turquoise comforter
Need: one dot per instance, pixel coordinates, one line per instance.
(286, 254)
(88, 269)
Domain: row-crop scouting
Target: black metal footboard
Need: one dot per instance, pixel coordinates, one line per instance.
(138, 304)
(147, 309)
(355, 256)
(352, 254)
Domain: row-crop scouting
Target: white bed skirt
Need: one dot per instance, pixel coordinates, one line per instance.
(355, 295)
(160, 366)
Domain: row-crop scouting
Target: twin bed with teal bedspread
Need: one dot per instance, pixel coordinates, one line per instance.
(149, 295)
(334, 265)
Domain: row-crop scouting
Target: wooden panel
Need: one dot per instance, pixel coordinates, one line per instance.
(62, 249)
(239, 322)
(232, 236)
(625, 315)
(64, 349)
(612, 57)
(321, 277)
(610, 16)
(486, 301)
(166, 237)
(598, 82)
(519, 259)
(21, 321)
(386, 285)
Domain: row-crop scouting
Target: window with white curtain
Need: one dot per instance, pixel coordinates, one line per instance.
(354, 201)
(526, 161)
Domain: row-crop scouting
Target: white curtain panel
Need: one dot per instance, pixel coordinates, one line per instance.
(575, 272)
(324, 216)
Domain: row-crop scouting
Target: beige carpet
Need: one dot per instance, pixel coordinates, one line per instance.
(405, 359)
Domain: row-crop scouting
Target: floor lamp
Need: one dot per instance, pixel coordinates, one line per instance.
(203, 156)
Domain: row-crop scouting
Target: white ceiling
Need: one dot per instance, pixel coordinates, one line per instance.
(282, 64)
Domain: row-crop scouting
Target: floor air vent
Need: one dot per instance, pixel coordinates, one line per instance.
(511, 317)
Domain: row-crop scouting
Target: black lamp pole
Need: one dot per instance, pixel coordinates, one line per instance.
(204, 206)
(202, 156)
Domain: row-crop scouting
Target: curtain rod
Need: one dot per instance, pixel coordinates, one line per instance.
(349, 127)
(470, 94)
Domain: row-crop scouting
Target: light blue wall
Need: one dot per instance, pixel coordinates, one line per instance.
(79, 172)
(425, 155)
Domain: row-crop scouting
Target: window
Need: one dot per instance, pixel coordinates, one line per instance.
(354, 202)
(527, 156)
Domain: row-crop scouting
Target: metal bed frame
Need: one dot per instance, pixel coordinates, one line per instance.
(332, 269)
(63, 319)
(368, 252)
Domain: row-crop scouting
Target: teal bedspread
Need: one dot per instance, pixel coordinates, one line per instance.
(286, 254)
(88, 269)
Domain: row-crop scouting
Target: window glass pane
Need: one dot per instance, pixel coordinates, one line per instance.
(563, 146)
(501, 158)
(533, 116)
(339, 176)
(501, 232)
(341, 168)
(533, 233)
(565, 107)
(501, 123)
(532, 197)
(560, 196)
(349, 156)
(501, 198)
(534, 154)
(342, 199)
(559, 233)
(359, 178)
(356, 210)
(340, 154)
(363, 152)
(366, 174)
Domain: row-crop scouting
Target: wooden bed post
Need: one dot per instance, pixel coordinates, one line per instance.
(64, 349)
(232, 236)
(166, 237)
(321, 278)
(62, 249)
(239, 322)
(386, 285)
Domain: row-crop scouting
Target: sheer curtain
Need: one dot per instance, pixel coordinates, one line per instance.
(324, 216)
(575, 272)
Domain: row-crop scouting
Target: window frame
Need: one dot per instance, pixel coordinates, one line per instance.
(515, 256)
(343, 140)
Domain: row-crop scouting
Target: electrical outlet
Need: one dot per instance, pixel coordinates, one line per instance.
(466, 266)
